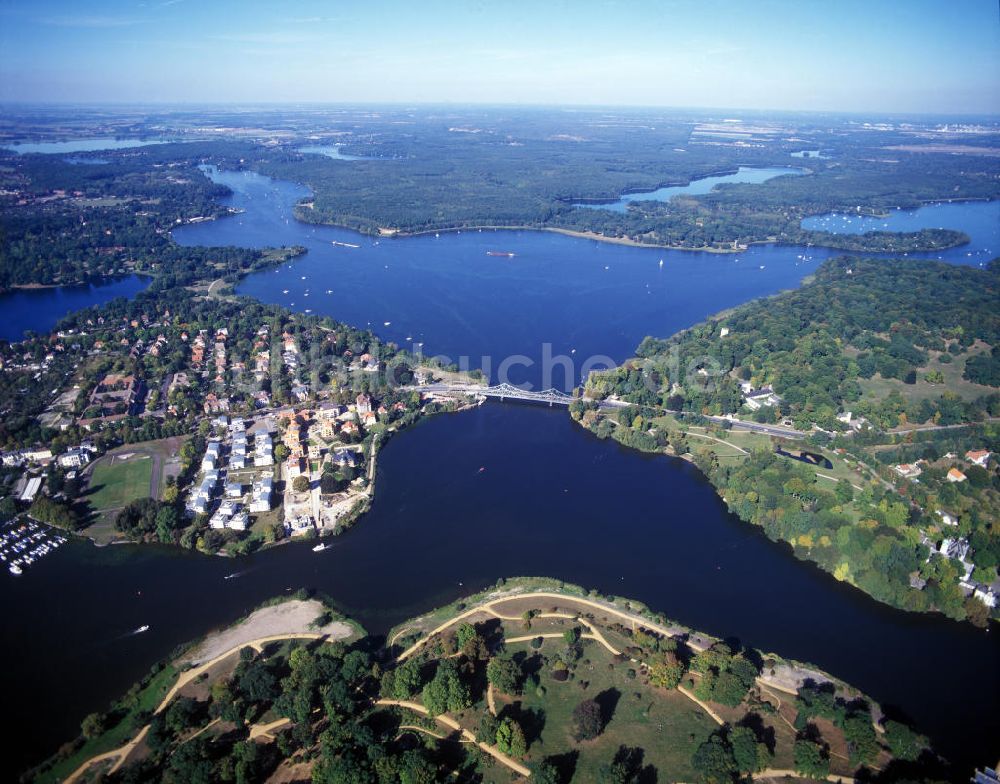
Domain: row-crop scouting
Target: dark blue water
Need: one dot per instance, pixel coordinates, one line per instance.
(40, 309)
(586, 299)
(552, 500)
(746, 174)
(979, 219)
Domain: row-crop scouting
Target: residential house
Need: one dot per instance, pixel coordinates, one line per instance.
(344, 457)
(260, 495)
(946, 518)
(908, 470)
(215, 404)
(979, 457)
(240, 521)
(754, 399)
(986, 596)
(40, 456)
(954, 475)
(75, 458)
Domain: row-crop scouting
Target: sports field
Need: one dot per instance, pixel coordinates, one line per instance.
(116, 482)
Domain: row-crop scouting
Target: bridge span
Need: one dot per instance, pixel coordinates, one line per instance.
(505, 391)
(553, 397)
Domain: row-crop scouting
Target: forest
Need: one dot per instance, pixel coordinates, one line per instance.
(487, 174)
(820, 348)
(555, 706)
(112, 212)
(65, 223)
(856, 320)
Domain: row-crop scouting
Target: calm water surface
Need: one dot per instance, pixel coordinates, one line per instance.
(745, 174)
(81, 145)
(40, 309)
(445, 295)
(979, 219)
(332, 151)
(552, 499)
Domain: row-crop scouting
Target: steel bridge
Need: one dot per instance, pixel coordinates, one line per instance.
(552, 397)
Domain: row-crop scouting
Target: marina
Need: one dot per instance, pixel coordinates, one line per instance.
(22, 543)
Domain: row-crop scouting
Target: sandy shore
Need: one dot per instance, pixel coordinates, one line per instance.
(288, 618)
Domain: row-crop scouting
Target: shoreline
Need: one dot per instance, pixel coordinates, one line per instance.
(599, 201)
(393, 234)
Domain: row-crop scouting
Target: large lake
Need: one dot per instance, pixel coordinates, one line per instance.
(552, 499)
(581, 297)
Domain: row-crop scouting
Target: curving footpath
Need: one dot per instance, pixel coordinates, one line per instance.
(467, 736)
(784, 773)
(121, 754)
(490, 607)
(562, 597)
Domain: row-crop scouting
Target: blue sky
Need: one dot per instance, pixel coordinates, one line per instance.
(940, 56)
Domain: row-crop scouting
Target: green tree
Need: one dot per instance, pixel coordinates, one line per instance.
(713, 761)
(588, 720)
(844, 491)
(510, 738)
(545, 773)
(414, 768)
(862, 742)
(470, 642)
(181, 714)
(666, 671)
(301, 484)
(811, 759)
(749, 754)
(488, 726)
(505, 674)
(446, 690)
(904, 743)
(407, 680)
(93, 724)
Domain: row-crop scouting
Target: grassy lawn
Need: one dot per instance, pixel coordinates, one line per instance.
(148, 699)
(877, 388)
(116, 483)
(667, 725)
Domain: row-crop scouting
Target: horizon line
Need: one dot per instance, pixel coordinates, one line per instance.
(490, 104)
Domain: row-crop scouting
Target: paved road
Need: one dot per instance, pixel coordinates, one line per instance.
(755, 427)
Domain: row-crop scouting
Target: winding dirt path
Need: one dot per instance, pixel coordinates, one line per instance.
(449, 722)
(490, 607)
(122, 753)
(781, 773)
